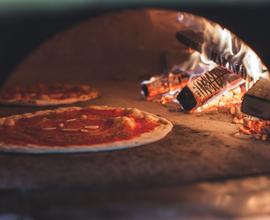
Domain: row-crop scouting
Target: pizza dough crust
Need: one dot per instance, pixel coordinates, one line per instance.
(158, 133)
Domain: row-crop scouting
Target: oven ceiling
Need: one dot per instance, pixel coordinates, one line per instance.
(27, 23)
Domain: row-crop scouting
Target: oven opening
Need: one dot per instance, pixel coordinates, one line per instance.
(180, 62)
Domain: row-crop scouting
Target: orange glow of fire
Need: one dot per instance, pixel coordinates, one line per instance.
(165, 89)
(228, 99)
(162, 88)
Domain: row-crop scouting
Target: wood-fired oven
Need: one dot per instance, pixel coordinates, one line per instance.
(118, 51)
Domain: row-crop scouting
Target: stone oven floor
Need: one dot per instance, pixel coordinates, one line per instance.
(200, 147)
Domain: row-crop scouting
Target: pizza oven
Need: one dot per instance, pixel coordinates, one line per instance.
(213, 164)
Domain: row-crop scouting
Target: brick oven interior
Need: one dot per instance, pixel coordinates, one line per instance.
(115, 52)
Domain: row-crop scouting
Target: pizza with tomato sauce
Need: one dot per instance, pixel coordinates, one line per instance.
(76, 129)
(47, 94)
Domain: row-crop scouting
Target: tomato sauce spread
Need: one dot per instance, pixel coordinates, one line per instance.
(75, 127)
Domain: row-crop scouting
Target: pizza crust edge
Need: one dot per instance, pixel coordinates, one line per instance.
(93, 94)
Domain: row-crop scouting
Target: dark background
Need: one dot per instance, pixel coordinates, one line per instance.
(21, 31)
